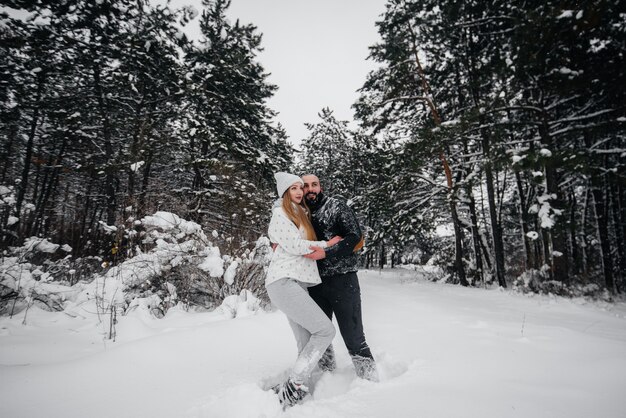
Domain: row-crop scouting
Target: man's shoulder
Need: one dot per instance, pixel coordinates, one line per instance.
(337, 197)
(337, 201)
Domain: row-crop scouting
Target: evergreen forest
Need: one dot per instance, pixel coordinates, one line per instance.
(490, 140)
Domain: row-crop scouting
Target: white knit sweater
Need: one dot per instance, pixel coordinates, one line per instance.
(287, 260)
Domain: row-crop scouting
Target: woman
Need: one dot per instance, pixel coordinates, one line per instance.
(288, 277)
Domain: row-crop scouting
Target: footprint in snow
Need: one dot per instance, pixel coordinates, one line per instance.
(252, 400)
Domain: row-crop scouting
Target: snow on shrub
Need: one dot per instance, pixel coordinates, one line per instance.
(23, 284)
(175, 263)
(229, 275)
(237, 306)
(538, 282)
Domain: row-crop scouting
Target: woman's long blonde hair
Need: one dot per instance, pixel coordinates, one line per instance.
(299, 215)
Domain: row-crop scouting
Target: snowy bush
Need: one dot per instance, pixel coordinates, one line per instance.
(425, 272)
(174, 264)
(244, 304)
(538, 281)
(23, 284)
(38, 273)
(180, 265)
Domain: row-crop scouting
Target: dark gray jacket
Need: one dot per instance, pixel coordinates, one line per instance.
(332, 216)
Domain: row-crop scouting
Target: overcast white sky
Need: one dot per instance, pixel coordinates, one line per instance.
(315, 51)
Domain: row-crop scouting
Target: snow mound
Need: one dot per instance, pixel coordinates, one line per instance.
(242, 305)
(34, 244)
(173, 262)
(328, 390)
(229, 403)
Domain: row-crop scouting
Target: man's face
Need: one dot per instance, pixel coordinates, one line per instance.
(312, 187)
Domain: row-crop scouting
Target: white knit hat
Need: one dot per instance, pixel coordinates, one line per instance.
(284, 181)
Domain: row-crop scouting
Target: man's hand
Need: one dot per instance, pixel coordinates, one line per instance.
(317, 254)
(334, 240)
(274, 246)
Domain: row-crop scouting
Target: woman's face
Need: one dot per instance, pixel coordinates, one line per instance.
(296, 192)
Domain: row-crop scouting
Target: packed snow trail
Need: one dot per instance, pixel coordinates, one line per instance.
(442, 351)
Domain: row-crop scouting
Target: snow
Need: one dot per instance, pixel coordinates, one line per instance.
(239, 306)
(453, 122)
(107, 228)
(545, 152)
(168, 221)
(136, 166)
(22, 15)
(444, 230)
(213, 263)
(566, 14)
(191, 11)
(545, 212)
(229, 275)
(442, 351)
(533, 235)
(35, 244)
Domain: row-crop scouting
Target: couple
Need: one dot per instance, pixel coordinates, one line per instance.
(294, 285)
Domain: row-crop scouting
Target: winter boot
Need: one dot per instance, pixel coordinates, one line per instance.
(328, 363)
(365, 368)
(291, 393)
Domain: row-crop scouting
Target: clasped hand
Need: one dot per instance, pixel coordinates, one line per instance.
(318, 252)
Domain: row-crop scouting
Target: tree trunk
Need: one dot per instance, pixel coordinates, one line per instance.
(458, 241)
(476, 236)
(198, 179)
(496, 228)
(573, 234)
(108, 147)
(598, 181)
(12, 139)
(529, 261)
(458, 232)
(61, 231)
(46, 192)
(603, 232)
(141, 205)
(558, 238)
(82, 238)
(585, 246)
(621, 200)
(619, 236)
(29, 148)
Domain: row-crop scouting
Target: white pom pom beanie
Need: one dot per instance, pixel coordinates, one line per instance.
(284, 181)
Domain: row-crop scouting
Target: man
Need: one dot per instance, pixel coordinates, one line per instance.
(339, 292)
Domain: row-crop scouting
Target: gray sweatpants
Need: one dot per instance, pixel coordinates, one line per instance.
(313, 330)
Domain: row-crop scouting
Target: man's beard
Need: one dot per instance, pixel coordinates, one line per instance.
(311, 197)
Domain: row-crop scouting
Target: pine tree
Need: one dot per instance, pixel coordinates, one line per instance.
(327, 153)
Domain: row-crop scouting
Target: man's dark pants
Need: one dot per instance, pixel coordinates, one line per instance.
(341, 295)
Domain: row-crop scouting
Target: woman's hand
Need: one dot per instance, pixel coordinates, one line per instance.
(317, 254)
(334, 240)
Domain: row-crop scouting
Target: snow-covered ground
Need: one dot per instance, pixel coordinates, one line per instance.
(442, 350)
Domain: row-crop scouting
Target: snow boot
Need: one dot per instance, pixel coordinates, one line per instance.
(291, 392)
(365, 368)
(328, 363)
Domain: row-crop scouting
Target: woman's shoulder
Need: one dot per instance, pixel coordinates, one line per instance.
(278, 212)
